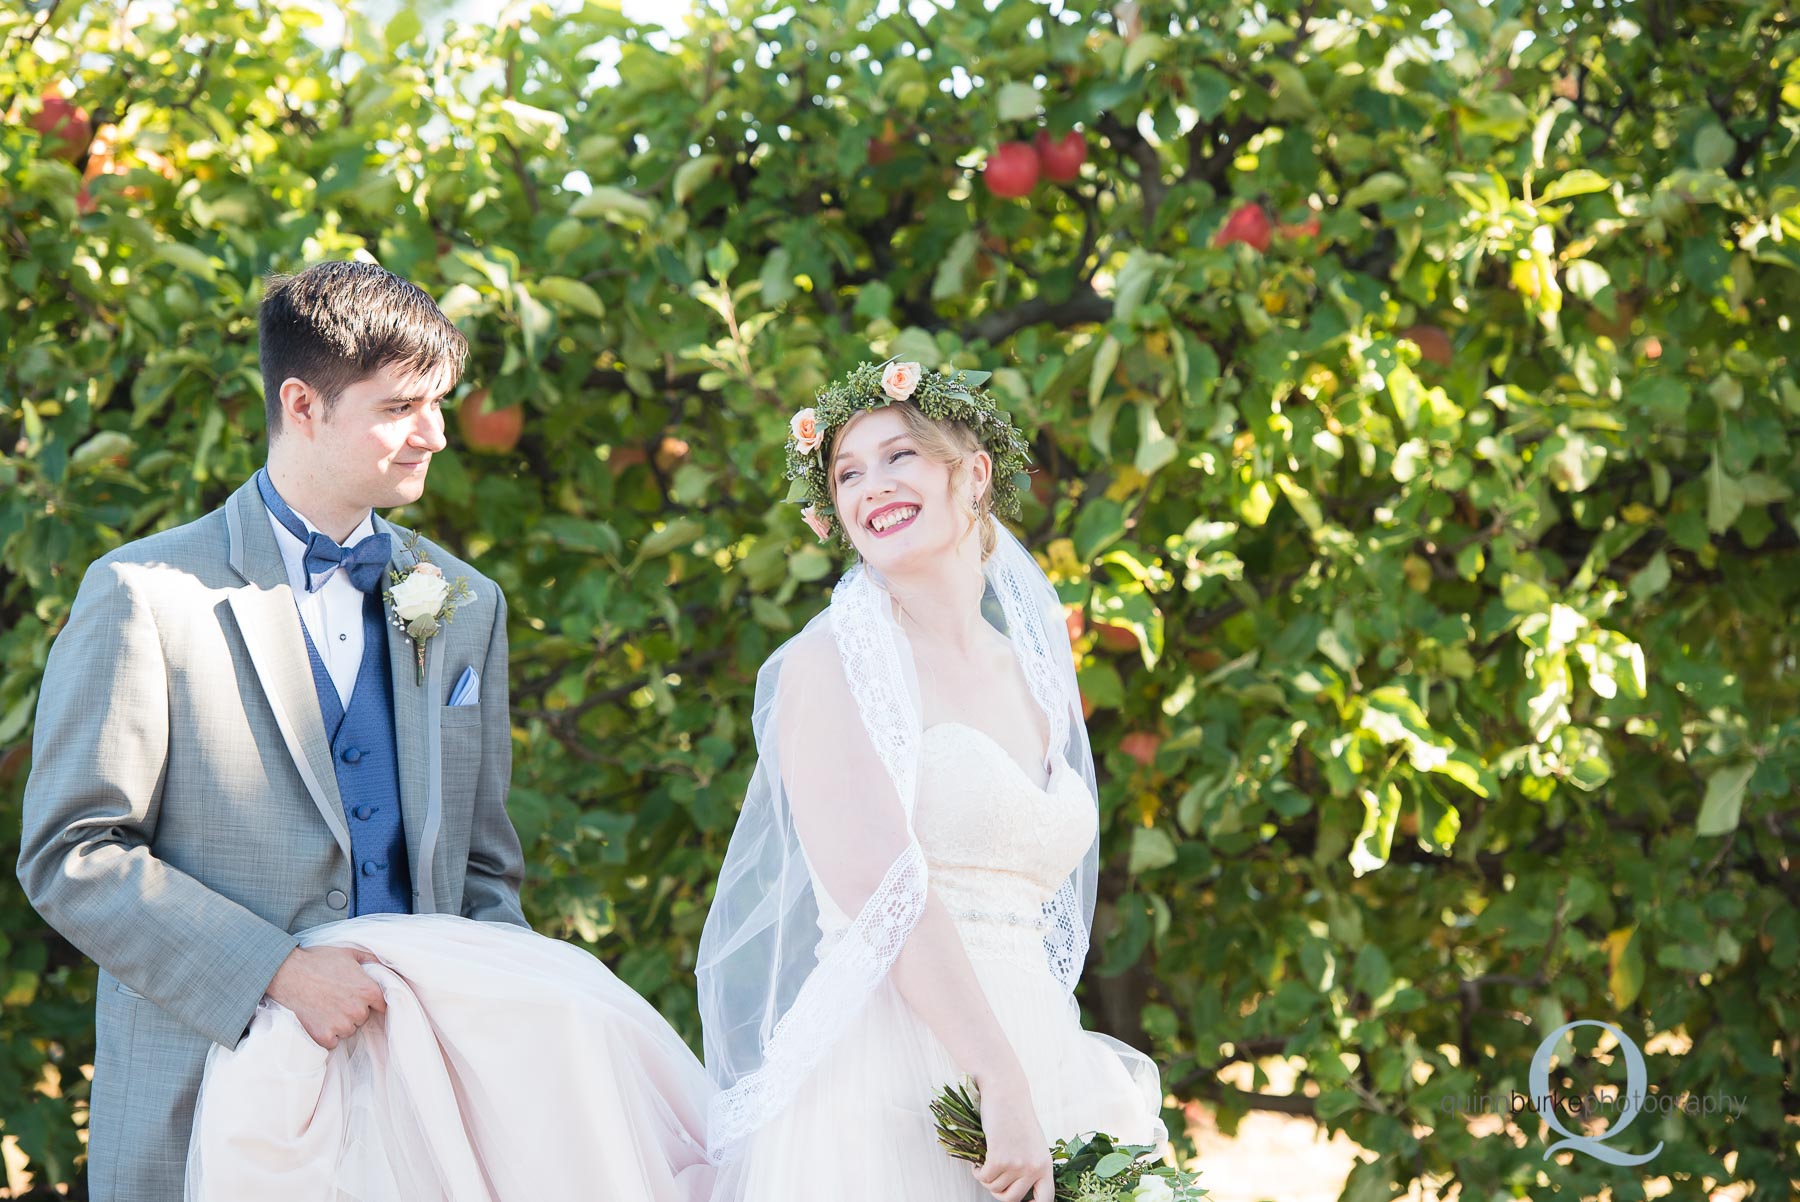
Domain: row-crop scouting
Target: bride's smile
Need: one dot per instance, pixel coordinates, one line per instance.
(890, 518)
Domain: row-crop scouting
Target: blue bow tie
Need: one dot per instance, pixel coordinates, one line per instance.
(364, 563)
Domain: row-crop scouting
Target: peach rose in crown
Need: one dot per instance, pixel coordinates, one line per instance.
(805, 429)
(899, 380)
(819, 525)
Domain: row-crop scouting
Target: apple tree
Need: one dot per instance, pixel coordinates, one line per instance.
(1414, 428)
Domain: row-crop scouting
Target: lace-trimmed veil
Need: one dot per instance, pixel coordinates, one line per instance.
(837, 723)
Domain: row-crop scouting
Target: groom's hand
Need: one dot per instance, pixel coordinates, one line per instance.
(328, 991)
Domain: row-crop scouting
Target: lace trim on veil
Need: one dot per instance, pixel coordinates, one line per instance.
(1065, 935)
(853, 964)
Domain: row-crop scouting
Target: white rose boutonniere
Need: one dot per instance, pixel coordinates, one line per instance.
(421, 600)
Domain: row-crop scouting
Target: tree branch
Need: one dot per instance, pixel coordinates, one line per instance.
(1084, 306)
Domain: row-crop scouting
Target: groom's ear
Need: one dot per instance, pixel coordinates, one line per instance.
(301, 406)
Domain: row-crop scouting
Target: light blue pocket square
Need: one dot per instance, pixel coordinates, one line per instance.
(468, 688)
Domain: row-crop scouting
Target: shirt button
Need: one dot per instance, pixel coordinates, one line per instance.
(336, 899)
(364, 813)
(342, 637)
(351, 755)
(368, 867)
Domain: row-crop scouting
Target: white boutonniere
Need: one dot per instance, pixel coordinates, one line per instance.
(421, 600)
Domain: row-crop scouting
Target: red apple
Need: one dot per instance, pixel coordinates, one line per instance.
(1011, 171)
(1116, 638)
(489, 431)
(671, 453)
(1249, 224)
(1061, 159)
(1434, 345)
(64, 126)
(1076, 621)
(623, 459)
(1309, 228)
(1141, 746)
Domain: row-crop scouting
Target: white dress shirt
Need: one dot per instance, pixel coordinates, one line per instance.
(334, 614)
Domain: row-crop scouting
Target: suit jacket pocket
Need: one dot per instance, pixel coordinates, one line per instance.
(460, 717)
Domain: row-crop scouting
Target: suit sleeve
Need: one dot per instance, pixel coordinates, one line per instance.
(90, 813)
(496, 864)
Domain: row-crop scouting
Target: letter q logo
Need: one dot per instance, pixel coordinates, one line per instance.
(1633, 1094)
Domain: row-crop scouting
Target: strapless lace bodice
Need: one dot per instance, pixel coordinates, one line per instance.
(998, 846)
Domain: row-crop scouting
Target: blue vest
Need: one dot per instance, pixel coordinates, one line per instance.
(366, 759)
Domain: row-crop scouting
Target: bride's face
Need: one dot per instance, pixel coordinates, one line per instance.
(899, 504)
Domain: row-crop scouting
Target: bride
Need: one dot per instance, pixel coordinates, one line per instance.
(907, 896)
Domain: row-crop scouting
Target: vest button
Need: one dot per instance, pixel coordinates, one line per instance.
(364, 813)
(368, 867)
(351, 755)
(336, 899)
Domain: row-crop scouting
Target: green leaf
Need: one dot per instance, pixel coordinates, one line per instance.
(1381, 810)
(404, 26)
(809, 564)
(1151, 848)
(100, 448)
(614, 204)
(1101, 685)
(1585, 278)
(1724, 799)
(1018, 102)
(693, 174)
(1304, 503)
(1625, 966)
(1713, 147)
(1112, 1164)
(570, 294)
(1156, 449)
(1105, 360)
(188, 258)
(17, 715)
(1579, 182)
(1101, 524)
(1378, 188)
(679, 533)
(1208, 90)
(949, 280)
(1724, 498)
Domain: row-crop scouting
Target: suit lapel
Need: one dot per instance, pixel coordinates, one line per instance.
(415, 719)
(270, 623)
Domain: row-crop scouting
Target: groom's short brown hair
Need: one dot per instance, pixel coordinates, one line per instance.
(337, 323)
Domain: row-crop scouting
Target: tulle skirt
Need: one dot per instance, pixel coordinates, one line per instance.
(508, 1068)
(860, 1127)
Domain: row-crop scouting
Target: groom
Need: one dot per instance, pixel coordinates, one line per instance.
(235, 742)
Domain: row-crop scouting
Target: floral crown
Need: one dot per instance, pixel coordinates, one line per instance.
(957, 397)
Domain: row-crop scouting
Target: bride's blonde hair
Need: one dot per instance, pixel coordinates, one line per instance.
(947, 443)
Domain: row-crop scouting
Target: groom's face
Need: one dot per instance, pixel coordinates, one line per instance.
(375, 444)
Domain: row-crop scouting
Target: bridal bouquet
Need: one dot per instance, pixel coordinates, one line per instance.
(1091, 1168)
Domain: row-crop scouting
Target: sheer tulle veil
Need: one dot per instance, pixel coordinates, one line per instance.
(837, 716)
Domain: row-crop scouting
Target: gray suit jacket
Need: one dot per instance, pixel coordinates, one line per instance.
(182, 818)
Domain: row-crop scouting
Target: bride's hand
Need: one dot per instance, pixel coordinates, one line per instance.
(1018, 1162)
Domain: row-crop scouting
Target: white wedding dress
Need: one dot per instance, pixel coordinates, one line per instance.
(509, 1067)
(998, 846)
